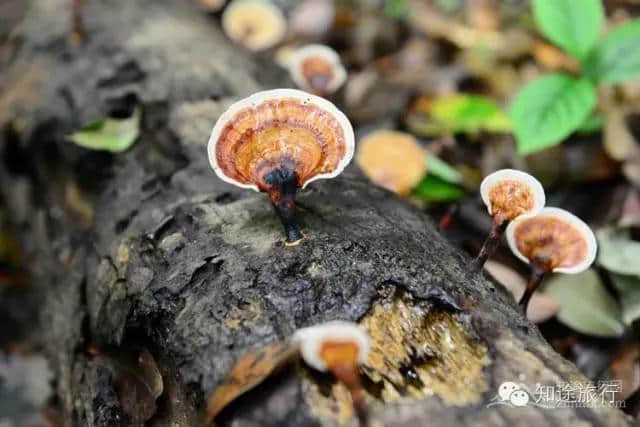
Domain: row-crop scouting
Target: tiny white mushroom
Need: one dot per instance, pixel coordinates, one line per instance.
(318, 69)
(311, 340)
(255, 24)
(337, 347)
(554, 240)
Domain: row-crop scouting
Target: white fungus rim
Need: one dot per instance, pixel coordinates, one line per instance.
(301, 54)
(258, 98)
(496, 177)
(580, 225)
(310, 341)
(268, 7)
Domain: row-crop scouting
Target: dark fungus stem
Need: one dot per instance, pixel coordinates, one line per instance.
(349, 376)
(284, 183)
(537, 274)
(490, 245)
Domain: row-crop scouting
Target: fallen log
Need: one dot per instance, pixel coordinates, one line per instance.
(147, 252)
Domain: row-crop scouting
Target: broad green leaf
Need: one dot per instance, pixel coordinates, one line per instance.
(585, 304)
(436, 190)
(629, 289)
(617, 56)
(549, 109)
(442, 170)
(464, 113)
(109, 134)
(592, 124)
(396, 9)
(574, 25)
(617, 252)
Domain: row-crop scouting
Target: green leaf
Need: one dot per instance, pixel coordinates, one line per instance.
(617, 252)
(629, 289)
(436, 190)
(396, 9)
(617, 57)
(594, 123)
(115, 135)
(574, 25)
(442, 170)
(549, 109)
(462, 113)
(585, 304)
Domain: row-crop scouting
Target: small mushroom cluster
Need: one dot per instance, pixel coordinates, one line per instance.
(549, 239)
(337, 347)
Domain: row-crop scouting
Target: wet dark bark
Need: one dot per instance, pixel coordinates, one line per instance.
(149, 249)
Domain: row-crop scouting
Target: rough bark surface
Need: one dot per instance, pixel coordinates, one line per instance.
(149, 249)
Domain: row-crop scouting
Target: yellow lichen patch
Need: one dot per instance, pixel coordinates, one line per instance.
(122, 259)
(243, 315)
(417, 351)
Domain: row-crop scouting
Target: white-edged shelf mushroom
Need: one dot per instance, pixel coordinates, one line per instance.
(255, 24)
(318, 69)
(392, 159)
(337, 347)
(554, 240)
(508, 194)
(280, 140)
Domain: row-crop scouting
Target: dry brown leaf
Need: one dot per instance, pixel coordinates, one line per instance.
(150, 373)
(630, 216)
(626, 368)
(139, 385)
(247, 373)
(541, 307)
(619, 143)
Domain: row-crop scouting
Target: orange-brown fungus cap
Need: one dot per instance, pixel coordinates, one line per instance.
(510, 199)
(554, 240)
(510, 193)
(393, 160)
(256, 24)
(280, 128)
(317, 68)
(336, 353)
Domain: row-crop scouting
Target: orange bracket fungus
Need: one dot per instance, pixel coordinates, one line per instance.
(317, 69)
(255, 24)
(508, 194)
(554, 240)
(280, 140)
(393, 160)
(338, 347)
(248, 372)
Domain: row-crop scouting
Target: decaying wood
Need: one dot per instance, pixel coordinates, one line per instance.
(148, 249)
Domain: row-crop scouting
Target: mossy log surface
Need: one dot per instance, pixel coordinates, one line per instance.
(148, 249)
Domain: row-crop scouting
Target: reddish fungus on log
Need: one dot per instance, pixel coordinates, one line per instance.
(280, 140)
(508, 194)
(554, 240)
